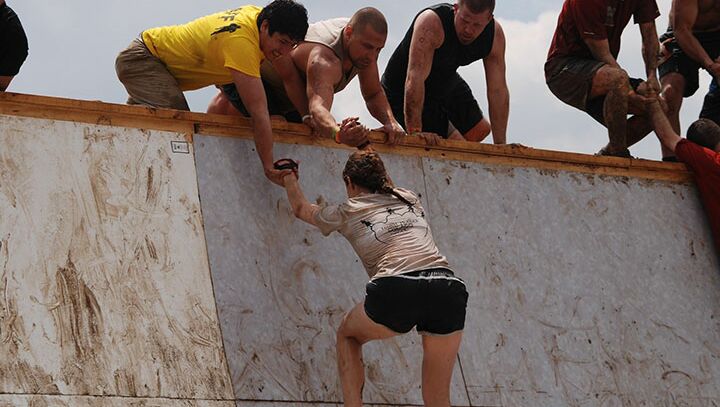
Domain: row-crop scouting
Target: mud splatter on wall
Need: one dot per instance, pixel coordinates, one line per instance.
(584, 290)
(104, 281)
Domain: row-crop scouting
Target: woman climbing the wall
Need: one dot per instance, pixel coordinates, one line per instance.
(410, 282)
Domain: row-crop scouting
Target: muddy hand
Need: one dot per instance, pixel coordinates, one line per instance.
(352, 132)
(395, 133)
(431, 139)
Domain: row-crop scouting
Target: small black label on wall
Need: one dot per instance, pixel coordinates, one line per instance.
(181, 147)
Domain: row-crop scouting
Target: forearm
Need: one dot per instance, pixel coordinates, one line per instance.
(302, 208)
(499, 109)
(379, 108)
(324, 121)
(692, 47)
(414, 100)
(662, 126)
(650, 50)
(262, 132)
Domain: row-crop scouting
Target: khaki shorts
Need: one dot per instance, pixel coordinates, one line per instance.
(147, 79)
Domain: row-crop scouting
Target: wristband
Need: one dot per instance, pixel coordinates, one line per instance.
(306, 117)
(336, 134)
(285, 164)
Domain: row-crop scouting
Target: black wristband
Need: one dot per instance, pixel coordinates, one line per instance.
(285, 164)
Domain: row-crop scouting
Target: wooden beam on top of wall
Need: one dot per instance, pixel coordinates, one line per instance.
(515, 155)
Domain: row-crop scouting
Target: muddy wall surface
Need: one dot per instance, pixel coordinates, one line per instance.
(584, 289)
(135, 274)
(104, 281)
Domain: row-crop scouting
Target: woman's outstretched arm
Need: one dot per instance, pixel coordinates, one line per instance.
(302, 208)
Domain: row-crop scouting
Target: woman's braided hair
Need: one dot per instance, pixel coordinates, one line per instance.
(366, 169)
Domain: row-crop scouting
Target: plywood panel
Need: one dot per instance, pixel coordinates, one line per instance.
(282, 288)
(585, 290)
(103, 267)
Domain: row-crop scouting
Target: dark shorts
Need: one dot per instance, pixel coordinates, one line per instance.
(678, 61)
(278, 105)
(453, 102)
(711, 103)
(13, 42)
(434, 300)
(570, 80)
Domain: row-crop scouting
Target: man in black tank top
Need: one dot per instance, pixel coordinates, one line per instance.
(421, 80)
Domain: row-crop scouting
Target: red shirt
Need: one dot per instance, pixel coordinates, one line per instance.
(705, 165)
(598, 20)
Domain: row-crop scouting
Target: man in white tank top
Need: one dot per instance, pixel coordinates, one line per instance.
(333, 53)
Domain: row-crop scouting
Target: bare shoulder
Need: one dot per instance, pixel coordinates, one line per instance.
(499, 32)
(428, 29)
(323, 56)
(498, 47)
(323, 65)
(301, 54)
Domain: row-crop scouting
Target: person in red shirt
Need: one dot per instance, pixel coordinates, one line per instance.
(582, 68)
(701, 153)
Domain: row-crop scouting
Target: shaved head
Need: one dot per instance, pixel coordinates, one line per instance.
(369, 16)
(478, 6)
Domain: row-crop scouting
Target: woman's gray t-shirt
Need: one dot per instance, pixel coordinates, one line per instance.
(390, 236)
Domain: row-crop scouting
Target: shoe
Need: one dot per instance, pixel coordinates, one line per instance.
(624, 153)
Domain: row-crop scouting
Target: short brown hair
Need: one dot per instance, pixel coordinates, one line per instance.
(704, 132)
(478, 6)
(369, 16)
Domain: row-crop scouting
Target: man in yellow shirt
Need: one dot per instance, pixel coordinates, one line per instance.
(217, 49)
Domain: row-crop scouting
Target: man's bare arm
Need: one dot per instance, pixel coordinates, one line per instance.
(293, 82)
(650, 49)
(662, 126)
(377, 103)
(497, 90)
(427, 36)
(323, 71)
(253, 96)
(684, 14)
(302, 208)
(373, 94)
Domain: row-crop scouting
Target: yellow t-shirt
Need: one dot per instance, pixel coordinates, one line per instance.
(200, 53)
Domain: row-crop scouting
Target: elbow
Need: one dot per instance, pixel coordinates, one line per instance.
(684, 37)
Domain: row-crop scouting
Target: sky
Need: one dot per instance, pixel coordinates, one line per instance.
(73, 45)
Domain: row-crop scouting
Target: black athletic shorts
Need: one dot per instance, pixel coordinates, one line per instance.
(711, 103)
(678, 61)
(452, 102)
(434, 300)
(13, 42)
(277, 105)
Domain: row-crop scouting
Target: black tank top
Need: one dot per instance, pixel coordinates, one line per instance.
(451, 55)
